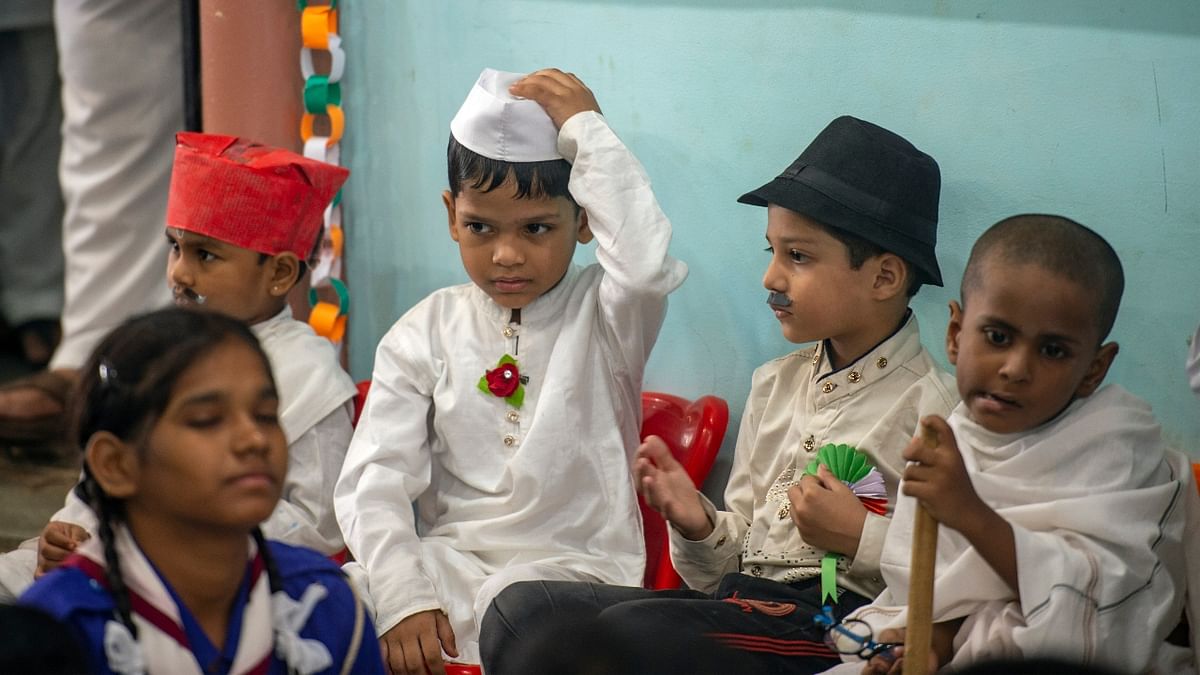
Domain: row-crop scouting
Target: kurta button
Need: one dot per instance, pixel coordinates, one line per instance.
(720, 542)
(513, 416)
(828, 387)
(810, 443)
(510, 440)
(509, 331)
(756, 571)
(881, 363)
(854, 376)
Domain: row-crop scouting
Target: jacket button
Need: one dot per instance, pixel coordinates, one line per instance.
(828, 387)
(881, 363)
(509, 331)
(510, 440)
(513, 416)
(720, 542)
(756, 570)
(854, 376)
(810, 443)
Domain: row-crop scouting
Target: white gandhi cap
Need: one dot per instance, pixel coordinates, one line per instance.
(498, 125)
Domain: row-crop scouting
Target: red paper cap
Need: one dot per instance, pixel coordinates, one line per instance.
(260, 198)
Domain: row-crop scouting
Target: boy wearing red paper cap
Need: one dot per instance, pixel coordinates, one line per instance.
(243, 222)
(509, 408)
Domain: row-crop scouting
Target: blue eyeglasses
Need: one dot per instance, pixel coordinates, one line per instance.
(853, 637)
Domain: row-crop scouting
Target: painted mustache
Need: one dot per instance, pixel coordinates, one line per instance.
(779, 300)
(190, 294)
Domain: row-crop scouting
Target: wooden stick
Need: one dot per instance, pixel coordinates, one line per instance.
(918, 635)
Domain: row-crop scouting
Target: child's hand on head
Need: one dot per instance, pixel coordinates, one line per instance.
(938, 478)
(561, 94)
(58, 541)
(414, 646)
(827, 513)
(668, 489)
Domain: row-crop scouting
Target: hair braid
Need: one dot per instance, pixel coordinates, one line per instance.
(106, 512)
(274, 581)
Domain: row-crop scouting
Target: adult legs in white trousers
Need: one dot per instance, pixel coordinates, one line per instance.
(122, 96)
(122, 72)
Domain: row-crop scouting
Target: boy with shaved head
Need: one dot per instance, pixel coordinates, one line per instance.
(1063, 514)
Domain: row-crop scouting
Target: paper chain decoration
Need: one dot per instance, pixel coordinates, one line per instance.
(853, 468)
(323, 97)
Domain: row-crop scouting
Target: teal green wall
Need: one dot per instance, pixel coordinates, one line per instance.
(1090, 109)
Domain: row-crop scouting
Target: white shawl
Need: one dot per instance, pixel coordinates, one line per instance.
(1098, 509)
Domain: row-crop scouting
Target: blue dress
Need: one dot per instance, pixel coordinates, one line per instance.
(77, 595)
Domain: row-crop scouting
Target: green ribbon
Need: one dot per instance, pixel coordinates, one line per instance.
(339, 287)
(829, 588)
(302, 5)
(320, 93)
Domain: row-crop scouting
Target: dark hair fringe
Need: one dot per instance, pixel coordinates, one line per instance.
(466, 168)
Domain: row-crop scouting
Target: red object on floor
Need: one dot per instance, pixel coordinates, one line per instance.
(693, 430)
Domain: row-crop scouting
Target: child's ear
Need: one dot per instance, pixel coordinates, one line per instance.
(1097, 369)
(448, 200)
(114, 465)
(585, 230)
(891, 276)
(285, 272)
(953, 329)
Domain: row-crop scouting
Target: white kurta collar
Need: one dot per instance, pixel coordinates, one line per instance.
(549, 304)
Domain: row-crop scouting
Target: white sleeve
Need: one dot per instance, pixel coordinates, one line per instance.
(389, 465)
(632, 234)
(304, 515)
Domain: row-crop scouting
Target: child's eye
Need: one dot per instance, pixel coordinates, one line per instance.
(797, 256)
(537, 228)
(769, 249)
(477, 228)
(205, 256)
(204, 421)
(1053, 350)
(995, 337)
(269, 418)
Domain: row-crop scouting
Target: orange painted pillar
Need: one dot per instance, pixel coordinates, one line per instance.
(250, 82)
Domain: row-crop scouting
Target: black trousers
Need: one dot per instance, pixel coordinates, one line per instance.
(749, 625)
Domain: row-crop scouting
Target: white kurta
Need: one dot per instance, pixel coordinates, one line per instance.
(1098, 510)
(315, 405)
(797, 404)
(505, 494)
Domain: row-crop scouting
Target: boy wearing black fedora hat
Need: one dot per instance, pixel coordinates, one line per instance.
(852, 225)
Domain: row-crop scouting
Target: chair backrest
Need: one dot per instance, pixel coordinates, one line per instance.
(693, 430)
(360, 400)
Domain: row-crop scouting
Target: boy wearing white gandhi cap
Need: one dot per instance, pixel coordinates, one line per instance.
(508, 408)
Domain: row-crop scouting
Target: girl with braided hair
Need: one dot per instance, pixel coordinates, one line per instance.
(184, 457)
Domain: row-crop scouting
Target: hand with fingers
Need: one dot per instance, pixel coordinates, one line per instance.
(414, 646)
(58, 540)
(937, 477)
(827, 513)
(561, 94)
(668, 489)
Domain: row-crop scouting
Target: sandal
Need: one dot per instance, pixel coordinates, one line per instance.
(37, 340)
(47, 427)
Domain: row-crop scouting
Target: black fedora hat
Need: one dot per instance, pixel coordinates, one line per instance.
(863, 179)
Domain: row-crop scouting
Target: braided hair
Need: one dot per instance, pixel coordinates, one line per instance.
(124, 389)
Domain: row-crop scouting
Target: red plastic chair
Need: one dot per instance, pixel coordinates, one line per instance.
(693, 431)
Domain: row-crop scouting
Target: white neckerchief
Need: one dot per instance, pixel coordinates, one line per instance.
(266, 622)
